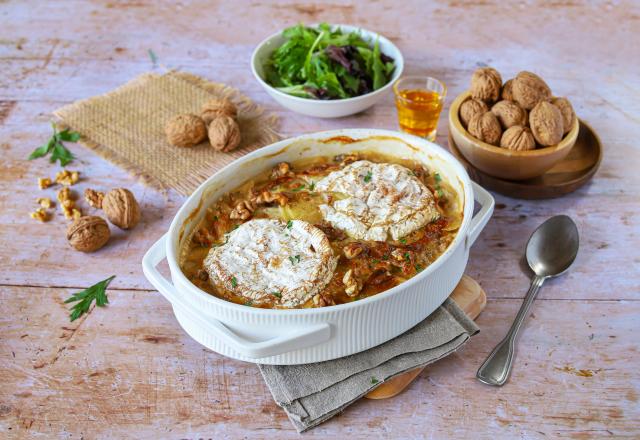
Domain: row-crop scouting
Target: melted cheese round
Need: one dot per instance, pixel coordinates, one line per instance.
(377, 199)
(270, 260)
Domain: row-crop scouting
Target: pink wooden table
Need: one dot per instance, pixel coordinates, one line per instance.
(130, 371)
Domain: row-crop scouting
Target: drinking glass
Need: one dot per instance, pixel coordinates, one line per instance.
(419, 101)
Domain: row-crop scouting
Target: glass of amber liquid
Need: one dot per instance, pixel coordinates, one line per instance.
(419, 101)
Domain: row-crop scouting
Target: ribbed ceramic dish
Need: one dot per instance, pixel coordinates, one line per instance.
(312, 335)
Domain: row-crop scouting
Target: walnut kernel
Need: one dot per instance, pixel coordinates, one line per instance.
(94, 198)
(486, 128)
(40, 214)
(217, 107)
(88, 234)
(224, 133)
(509, 114)
(65, 194)
(44, 182)
(486, 83)
(546, 123)
(67, 178)
(121, 208)
(45, 202)
(529, 89)
(185, 130)
(518, 138)
(470, 108)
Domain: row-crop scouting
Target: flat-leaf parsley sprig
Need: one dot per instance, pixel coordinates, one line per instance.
(97, 292)
(55, 146)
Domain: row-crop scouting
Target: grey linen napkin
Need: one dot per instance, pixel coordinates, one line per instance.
(313, 393)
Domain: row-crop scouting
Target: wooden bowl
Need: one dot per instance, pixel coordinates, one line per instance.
(503, 163)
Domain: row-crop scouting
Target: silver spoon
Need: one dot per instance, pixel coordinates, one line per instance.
(550, 251)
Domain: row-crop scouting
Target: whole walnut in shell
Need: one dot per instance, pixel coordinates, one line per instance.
(529, 89)
(568, 115)
(217, 107)
(121, 208)
(546, 123)
(507, 90)
(485, 127)
(470, 108)
(224, 133)
(518, 138)
(486, 83)
(509, 113)
(88, 234)
(185, 130)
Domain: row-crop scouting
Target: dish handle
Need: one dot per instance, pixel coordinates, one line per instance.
(479, 221)
(292, 340)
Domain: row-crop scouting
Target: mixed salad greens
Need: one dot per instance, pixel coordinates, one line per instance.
(327, 64)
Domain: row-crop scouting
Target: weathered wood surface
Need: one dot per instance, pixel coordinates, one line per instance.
(129, 371)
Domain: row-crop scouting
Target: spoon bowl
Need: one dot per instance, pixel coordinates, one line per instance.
(553, 247)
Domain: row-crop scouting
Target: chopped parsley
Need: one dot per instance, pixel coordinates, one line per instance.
(374, 380)
(312, 186)
(403, 240)
(277, 294)
(289, 224)
(234, 282)
(295, 259)
(368, 177)
(300, 188)
(437, 177)
(407, 256)
(248, 303)
(439, 193)
(419, 268)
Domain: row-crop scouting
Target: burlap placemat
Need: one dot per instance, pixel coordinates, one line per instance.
(126, 127)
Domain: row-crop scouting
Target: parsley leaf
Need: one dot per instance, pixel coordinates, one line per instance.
(234, 282)
(437, 177)
(368, 177)
(55, 146)
(96, 292)
(289, 224)
(277, 294)
(300, 188)
(407, 257)
(295, 259)
(419, 268)
(312, 186)
(403, 240)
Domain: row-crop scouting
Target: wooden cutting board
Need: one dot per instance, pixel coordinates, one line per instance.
(471, 298)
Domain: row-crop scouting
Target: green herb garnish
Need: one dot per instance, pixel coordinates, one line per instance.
(289, 224)
(312, 186)
(55, 146)
(248, 303)
(419, 268)
(295, 259)
(234, 282)
(97, 292)
(321, 63)
(437, 177)
(374, 380)
(367, 178)
(277, 294)
(403, 240)
(300, 188)
(407, 257)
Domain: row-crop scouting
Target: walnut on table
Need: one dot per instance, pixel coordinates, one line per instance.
(88, 234)
(94, 198)
(185, 130)
(224, 133)
(44, 182)
(41, 215)
(217, 107)
(45, 202)
(67, 178)
(121, 208)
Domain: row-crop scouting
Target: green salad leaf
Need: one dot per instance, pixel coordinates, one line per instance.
(326, 63)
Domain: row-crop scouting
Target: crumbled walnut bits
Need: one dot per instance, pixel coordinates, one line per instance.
(67, 178)
(94, 198)
(44, 182)
(351, 283)
(68, 204)
(41, 215)
(45, 202)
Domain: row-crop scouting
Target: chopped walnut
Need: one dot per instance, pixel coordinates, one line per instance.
(401, 257)
(266, 197)
(352, 285)
(352, 250)
(65, 194)
(67, 178)
(242, 211)
(321, 300)
(44, 202)
(283, 169)
(94, 198)
(40, 214)
(44, 182)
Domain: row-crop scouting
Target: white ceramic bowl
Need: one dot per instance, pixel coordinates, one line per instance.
(301, 336)
(326, 108)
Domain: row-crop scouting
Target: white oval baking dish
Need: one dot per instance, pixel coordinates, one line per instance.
(313, 335)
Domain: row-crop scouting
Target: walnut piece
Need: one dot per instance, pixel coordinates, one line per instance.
(321, 300)
(352, 250)
(566, 109)
(243, 210)
(217, 107)
(518, 138)
(529, 89)
(67, 178)
(470, 108)
(224, 133)
(266, 197)
(44, 182)
(486, 128)
(45, 202)
(88, 234)
(94, 198)
(507, 90)
(65, 194)
(121, 208)
(352, 285)
(509, 114)
(486, 83)
(185, 130)
(41, 215)
(546, 123)
(283, 169)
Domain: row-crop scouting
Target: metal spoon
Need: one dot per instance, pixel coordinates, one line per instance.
(550, 251)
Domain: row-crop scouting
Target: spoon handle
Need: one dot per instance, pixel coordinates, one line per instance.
(495, 370)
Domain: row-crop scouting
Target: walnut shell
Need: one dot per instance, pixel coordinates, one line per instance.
(88, 234)
(486, 127)
(224, 133)
(217, 107)
(518, 138)
(486, 83)
(546, 123)
(470, 108)
(121, 208)
(185, 130)
(509, 114)
(568, 115)
(529, 89)
(507, 90)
